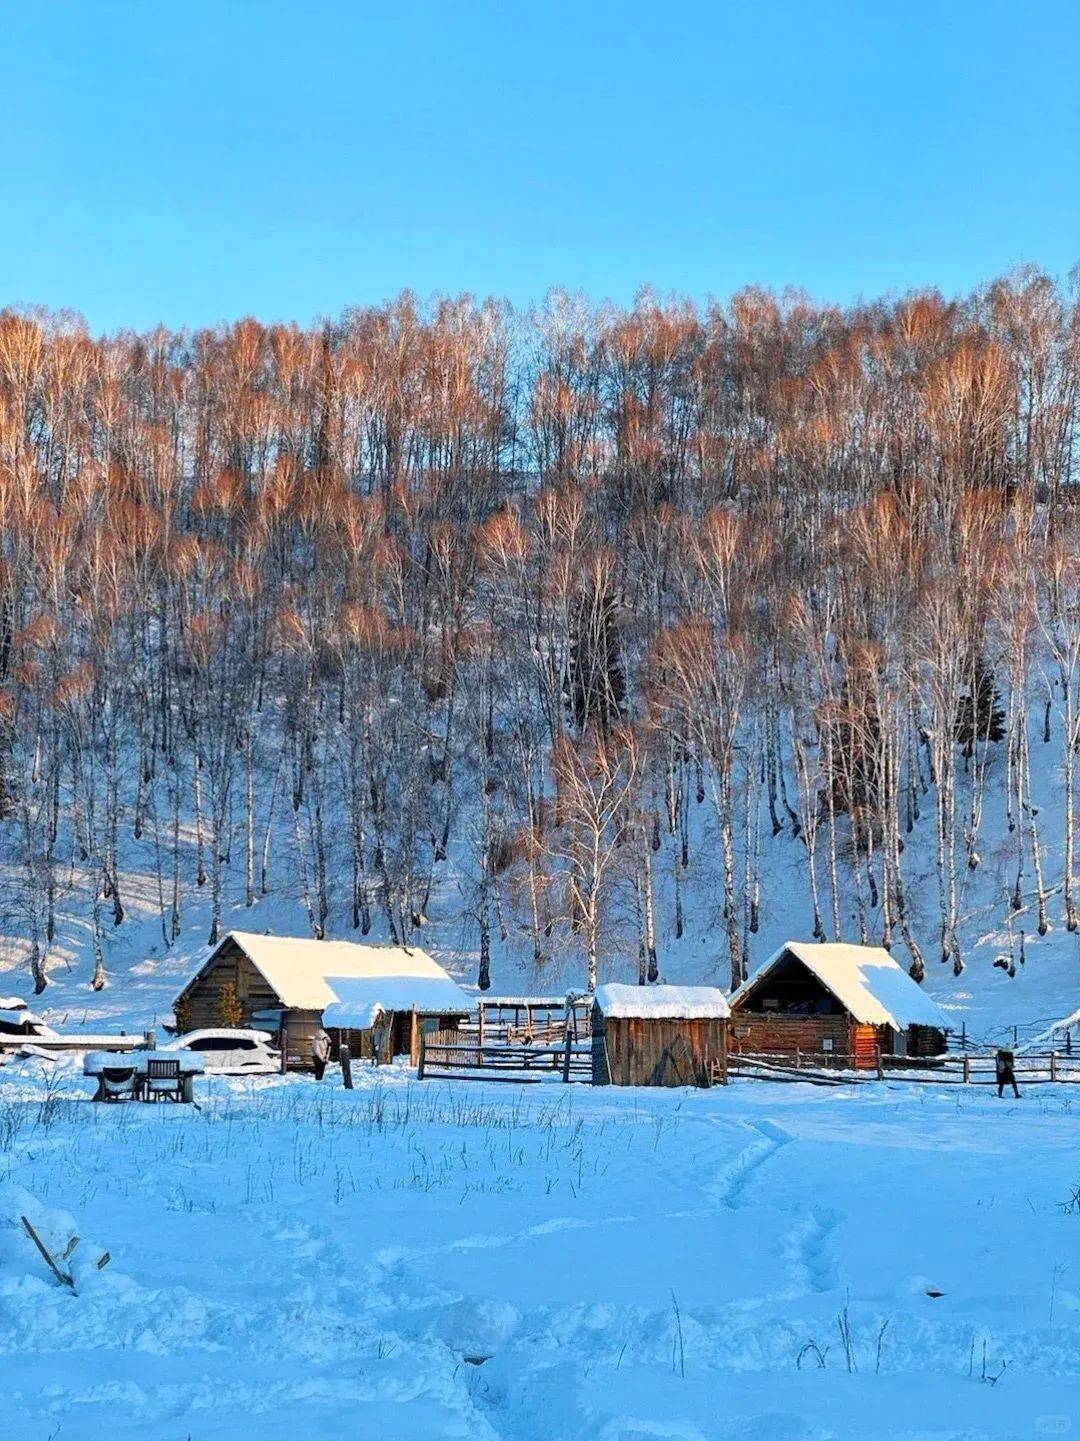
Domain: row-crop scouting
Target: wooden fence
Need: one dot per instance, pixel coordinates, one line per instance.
(500, 1061)
(965, 1069)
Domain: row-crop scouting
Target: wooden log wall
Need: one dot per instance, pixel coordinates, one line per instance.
(866, 1043)
(770, 1035)
(925, 1041)
(788, 1036)
(231, 967)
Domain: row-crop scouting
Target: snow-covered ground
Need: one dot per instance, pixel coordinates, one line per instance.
(415, 1260)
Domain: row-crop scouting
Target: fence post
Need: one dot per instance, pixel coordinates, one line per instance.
(798, 1059)
(422, 1053)
(1053, 1066)
(566, 1057)
(880, 1067)
(967, 1069)
(345, 1057)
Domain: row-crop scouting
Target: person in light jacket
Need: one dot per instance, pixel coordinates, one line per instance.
(1004, 1063)
(320, 1052)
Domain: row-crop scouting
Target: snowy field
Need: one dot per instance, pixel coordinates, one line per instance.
(424, 1261)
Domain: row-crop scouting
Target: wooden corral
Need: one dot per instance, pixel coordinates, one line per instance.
(522, 1038)
(845, 1005)
(527, 1020)
(659, 1036)
(367, 997)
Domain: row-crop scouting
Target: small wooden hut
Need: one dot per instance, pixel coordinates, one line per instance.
(373, 998)
(659, 1035)
(836, 1003)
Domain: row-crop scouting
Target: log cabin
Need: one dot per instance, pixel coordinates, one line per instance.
(659, 1035)
(836, 1003)
(373, 998)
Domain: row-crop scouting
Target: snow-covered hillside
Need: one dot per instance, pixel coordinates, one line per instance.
(986, 1000)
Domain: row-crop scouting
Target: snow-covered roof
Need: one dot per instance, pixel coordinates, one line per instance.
(867, 982)
(355, 1013)
(20, 1016)
(310, 975)
(662, 1003)
(362, 999)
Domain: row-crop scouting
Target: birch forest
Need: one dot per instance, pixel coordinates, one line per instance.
(577, 615)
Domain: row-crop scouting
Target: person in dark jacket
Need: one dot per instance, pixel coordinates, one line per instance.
(320, 1052)
(1004, 1064)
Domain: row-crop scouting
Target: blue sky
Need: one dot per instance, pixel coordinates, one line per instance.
(199, 161)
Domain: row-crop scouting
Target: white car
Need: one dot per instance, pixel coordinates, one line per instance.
(230, 1052)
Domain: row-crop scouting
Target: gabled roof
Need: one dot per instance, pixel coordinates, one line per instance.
(310, 975)
(662, 1003)
(867, 982)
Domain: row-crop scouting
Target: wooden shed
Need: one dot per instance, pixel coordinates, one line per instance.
(367, 996)
(659, 1035)
(834, 1004)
